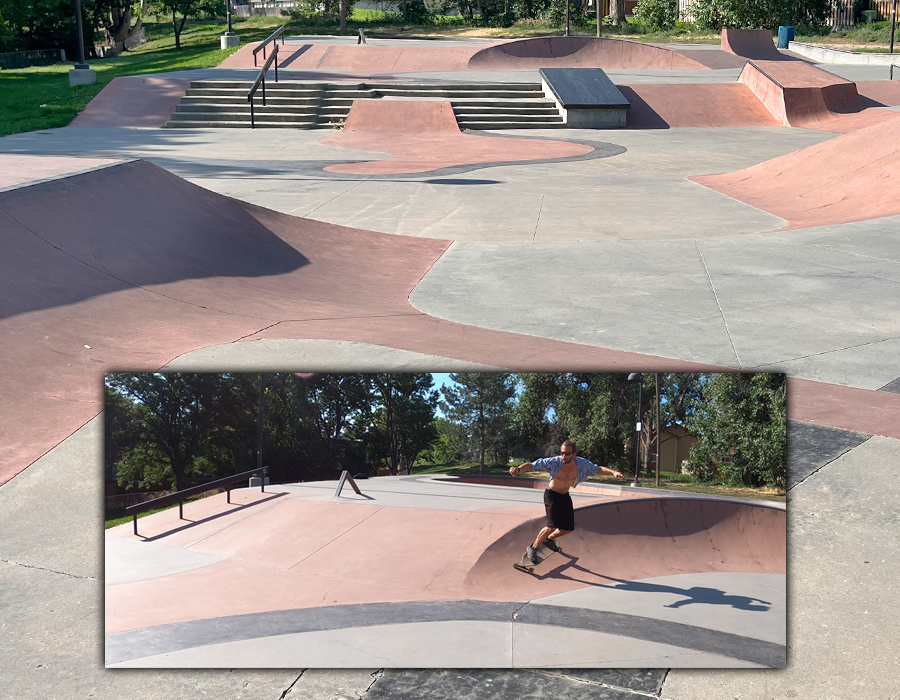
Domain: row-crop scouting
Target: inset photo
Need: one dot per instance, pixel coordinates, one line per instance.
(432, 520)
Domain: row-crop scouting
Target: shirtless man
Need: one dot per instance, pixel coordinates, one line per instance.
(565, 471)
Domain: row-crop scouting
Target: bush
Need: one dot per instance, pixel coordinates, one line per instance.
(763, 14)
(556, 13)
(657, 15)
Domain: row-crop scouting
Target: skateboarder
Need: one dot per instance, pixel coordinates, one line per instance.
(565, 471)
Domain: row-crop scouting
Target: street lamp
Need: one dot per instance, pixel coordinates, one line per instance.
(259, 427)
(82, 73)
(893, 27)
(639, 378)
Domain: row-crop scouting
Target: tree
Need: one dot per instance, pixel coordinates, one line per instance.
(741, 425)
(617, 12)
(185, 8)
(174, 416)
(483, 403)
(759, 14)
(400, 418)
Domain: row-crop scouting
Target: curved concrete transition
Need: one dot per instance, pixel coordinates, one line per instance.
(800, 95)
(664, 106)
(579, 52)
(424, 136)
(633, 539)
(810, 187)
(751, 43)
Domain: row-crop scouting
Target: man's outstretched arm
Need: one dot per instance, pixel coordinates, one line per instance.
(611, 472)
(526, 467)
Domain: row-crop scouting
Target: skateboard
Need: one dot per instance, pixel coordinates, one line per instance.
(525, 563)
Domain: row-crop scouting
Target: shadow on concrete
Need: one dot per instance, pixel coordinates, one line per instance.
(192, 523)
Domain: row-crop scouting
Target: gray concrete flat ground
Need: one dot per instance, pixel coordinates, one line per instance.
(821, 304)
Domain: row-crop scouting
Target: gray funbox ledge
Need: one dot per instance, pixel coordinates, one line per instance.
(586, 97)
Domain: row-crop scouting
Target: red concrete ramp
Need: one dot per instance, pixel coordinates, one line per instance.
(849, 178)
(751, 43)
(400, 117)
(130, 266)
(579, 52)
(134, 101)
(638, 539)
(694, 105)
(423, 135)
(800, 95)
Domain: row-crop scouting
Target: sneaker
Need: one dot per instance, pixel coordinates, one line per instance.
(531, 553)
(552, 546)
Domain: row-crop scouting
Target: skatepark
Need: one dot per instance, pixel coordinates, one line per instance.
(744, 218)
(413, 559)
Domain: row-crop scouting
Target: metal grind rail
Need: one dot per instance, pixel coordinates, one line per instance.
(261, 80)
(179, 496)
(272, 38)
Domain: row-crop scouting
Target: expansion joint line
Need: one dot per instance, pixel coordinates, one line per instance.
(48, 570)
(290, 688)
(718, 304)
(617, 688)
(339, 194)
(538, 222)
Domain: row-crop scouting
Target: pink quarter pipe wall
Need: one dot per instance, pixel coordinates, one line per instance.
(578, 52)
(643, 538)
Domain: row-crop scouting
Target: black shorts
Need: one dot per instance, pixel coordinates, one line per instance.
(560, 511)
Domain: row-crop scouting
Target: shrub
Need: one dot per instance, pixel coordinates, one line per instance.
(657, 15)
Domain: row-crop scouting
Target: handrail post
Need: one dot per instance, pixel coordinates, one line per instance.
(252, 124)
(264, 89)
(262, 482)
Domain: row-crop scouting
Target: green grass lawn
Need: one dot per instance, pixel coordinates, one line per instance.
(40, 97)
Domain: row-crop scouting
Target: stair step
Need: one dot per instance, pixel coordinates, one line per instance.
(477, 126)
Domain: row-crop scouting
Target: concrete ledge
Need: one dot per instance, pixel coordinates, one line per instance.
(586, 97)
(836, 56)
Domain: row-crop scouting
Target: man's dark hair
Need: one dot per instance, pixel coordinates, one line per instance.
(570, 443)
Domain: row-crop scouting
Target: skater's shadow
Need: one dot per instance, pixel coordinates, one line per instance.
(695, 595)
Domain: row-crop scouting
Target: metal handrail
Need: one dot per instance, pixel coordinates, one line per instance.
(261, 80)
(262, 45)
(179, 496)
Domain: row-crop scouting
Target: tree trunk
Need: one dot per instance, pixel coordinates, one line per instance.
(342, 5)
(617, 12)
(175, 29)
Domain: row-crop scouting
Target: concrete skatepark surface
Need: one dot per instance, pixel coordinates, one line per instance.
(446, 546)
(818, 303)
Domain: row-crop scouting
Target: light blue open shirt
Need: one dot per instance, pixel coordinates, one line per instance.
(552, 465)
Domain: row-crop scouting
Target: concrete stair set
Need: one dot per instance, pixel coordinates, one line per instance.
(224, 104)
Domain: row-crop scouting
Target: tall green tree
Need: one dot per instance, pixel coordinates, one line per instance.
(741, 425)
(180, 10)
(483, 403)
(174, 420)
(400, 418)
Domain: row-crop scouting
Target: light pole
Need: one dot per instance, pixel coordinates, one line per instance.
(81, 63)
(82, 73)
(893, 26)
(229, 38)
(259, 428)
(567, 17)
(639, 378)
